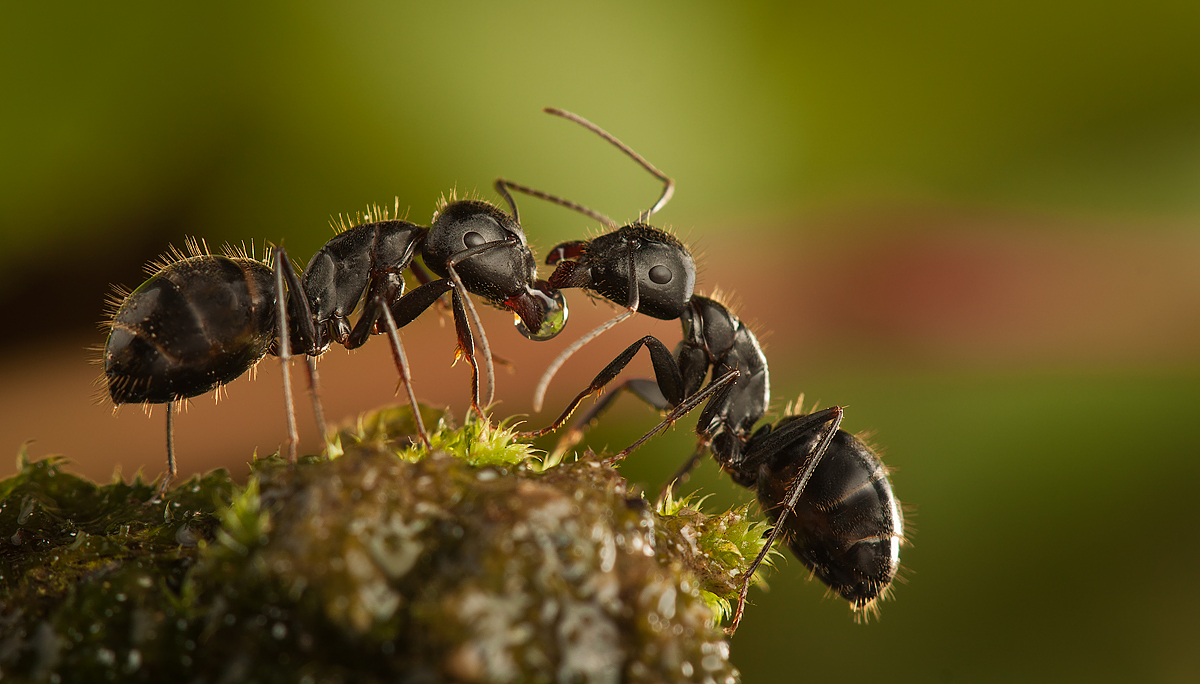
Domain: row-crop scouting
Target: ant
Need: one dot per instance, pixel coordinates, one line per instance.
(201, 320)
(825, 490)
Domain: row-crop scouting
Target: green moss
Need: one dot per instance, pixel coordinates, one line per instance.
(385, 563)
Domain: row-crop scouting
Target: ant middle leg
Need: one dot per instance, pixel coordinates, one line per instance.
(386, 311)
(314, 383)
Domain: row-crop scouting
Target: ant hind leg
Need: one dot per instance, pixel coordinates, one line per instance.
(171, 468)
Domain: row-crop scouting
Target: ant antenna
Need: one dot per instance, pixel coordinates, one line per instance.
(668, 184)
(503, 186)
(539, 392)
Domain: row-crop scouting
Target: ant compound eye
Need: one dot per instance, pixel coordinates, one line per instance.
(660, 274)
(473, 239)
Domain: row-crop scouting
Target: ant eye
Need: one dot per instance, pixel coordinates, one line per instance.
(473, 239)
(660, 274)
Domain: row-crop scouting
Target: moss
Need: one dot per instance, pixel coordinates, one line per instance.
(466, 564)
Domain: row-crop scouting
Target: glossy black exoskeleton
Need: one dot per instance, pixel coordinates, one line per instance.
(825, 490)
(202, 320)
(846, 525)
(159, 348)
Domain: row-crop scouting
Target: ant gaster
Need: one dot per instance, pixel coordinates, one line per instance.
(202, 320)
(824, 489)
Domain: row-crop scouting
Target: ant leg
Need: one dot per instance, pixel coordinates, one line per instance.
(716, 389)
(382, 289)
(423, 275)
(647, 390)
(483, 341)
(285, 353)
(170, 474)
(670, 380)
(832, 419)
(466, 347)
(416, 302)
(539, 392)
(301, 318)
(315, 390)
(402, 365)
(410, 306)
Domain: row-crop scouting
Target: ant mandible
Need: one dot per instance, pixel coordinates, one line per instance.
(201, 320)
(825, 490)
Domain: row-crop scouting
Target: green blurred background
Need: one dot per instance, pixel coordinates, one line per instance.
(975, 225)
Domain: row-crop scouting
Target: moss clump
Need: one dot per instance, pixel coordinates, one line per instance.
(366, 567)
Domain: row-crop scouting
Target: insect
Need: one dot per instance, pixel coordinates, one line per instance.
(201, 320)
(825, 490)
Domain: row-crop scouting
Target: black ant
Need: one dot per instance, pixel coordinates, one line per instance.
(202, 320)
(825, 489)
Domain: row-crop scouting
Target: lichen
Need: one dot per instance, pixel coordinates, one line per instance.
(469, 563)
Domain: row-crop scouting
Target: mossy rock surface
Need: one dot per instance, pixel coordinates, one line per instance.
(382, 564)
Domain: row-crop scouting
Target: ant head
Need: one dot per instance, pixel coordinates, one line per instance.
(654, 261)
(488, 251)
(485, 246)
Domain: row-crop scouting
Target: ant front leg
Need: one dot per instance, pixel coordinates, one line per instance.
(666, 371)
(631, 308)
(645, 389)
(466, 347)
(464, 330)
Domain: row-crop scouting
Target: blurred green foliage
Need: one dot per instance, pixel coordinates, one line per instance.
(259, 122)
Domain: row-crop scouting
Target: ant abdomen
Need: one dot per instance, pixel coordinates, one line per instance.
(196, 324)
(846, 526)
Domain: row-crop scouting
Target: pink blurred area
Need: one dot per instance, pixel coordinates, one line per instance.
(943, 291)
